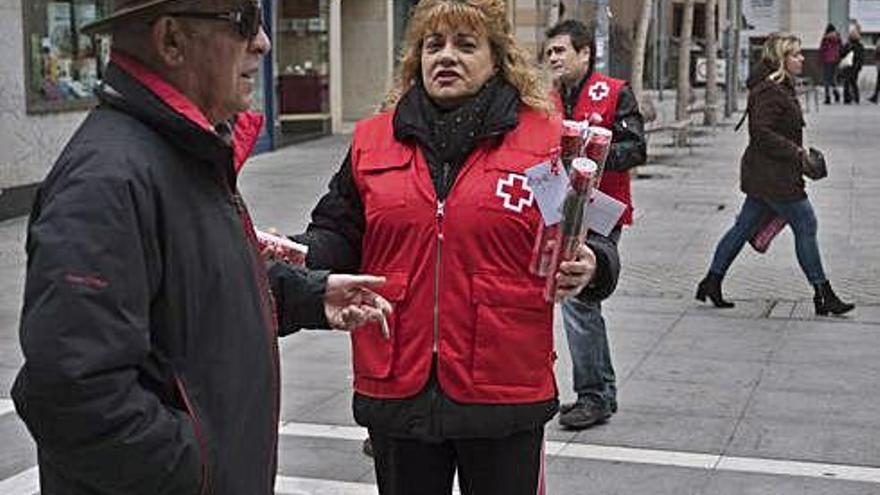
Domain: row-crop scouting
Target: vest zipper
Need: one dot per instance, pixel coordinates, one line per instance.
(441, 205)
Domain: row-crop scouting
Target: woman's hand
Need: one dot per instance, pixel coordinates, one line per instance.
(574, 275)
(349, 302)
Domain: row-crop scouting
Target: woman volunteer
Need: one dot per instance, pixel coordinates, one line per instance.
(433, 196)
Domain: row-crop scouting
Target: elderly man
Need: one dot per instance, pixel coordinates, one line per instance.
(148, 329)
(585, 94)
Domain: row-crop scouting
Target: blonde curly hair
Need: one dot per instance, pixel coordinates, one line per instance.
(487, 17)
(777, 48)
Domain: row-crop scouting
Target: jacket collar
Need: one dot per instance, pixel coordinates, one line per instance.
(135, 89)
(413, 115)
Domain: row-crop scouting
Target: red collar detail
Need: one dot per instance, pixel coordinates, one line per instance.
(161, 88)
(245, 136)
(247, 124)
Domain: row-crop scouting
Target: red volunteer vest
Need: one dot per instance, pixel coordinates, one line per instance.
(599, 95)
(457, 272)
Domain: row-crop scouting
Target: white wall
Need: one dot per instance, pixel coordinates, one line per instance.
(808, 18)
(365, 56)
(29, 144)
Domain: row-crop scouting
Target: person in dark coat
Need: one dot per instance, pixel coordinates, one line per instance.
(148, 330)
(829, 54)
(850, 73)
(874, 98)
(433, 195)
(771, 175)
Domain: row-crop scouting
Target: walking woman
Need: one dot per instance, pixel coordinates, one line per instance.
(433, 196)
(829, 54)
(771, 175)
(850, 73)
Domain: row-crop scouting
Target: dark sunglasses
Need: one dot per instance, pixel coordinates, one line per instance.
(248, 18)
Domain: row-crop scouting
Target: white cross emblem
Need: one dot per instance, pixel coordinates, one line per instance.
(515, 192)
(599, 90)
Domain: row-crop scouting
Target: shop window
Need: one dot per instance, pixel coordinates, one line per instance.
(302, 50)
(63, 66)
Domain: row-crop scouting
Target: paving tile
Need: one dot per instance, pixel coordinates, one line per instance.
(727, 483)
(818, 440)
(659, 429)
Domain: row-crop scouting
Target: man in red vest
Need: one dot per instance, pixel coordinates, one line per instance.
(584, 94)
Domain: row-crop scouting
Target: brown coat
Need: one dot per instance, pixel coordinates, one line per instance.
(771, 165)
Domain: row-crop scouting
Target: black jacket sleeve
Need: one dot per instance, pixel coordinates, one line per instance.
(336, 231)
(85, 331)
(607, 266)
(628, 145)
(299, 297)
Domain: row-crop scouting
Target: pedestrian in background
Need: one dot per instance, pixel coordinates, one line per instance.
(771, 175)
(852, 60)
(584, 94)
(874, 98)
(829, 54)
(148, 330)
(433, 196)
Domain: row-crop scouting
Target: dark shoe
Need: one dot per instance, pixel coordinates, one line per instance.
(826, 301)
(711, 287)
(582, 415)
(367, 447)
(827, 101)
(873, 99)
(836, 96)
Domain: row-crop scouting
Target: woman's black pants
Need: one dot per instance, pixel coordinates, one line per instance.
(511, 465)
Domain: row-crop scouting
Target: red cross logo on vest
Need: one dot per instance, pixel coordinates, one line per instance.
(599, 91)
(515, 192)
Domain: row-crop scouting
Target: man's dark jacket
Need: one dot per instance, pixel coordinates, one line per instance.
(151, 361)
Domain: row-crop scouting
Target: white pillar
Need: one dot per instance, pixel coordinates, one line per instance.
(392, 54)
(335, 66)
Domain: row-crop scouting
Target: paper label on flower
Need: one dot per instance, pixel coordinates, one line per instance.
(603, 212)
(549, 185)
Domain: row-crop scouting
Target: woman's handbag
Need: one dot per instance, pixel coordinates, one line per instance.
(771, 224)
(814, 165)
(847, 61)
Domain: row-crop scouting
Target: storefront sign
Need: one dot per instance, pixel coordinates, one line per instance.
(867, 12)
(763, 16)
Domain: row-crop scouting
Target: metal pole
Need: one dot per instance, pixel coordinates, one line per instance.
(655, 42)
(663, 48)
(729, 90)
(602, 38)
(737, 56)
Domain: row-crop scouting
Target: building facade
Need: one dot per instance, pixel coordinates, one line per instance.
(332, 62)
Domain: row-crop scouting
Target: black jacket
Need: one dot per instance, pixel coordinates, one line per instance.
(335, 238)
(629, 146)
(151, 362)
(858, 51)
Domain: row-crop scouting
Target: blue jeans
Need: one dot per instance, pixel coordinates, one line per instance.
(829, 74)
(799, 215)
(590, 356)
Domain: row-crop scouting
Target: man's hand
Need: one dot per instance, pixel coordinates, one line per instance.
(574, 275)
(349, 302)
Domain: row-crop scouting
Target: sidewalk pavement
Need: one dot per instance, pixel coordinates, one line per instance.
(763, 399)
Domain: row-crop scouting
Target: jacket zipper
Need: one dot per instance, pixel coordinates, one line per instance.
(197, 426)
(441, 206)
(271, 319)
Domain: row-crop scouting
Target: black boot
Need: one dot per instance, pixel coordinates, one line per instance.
(826, 301)
(711, 287)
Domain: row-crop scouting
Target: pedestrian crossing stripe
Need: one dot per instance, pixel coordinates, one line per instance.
(27, 482)
(6, 406)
